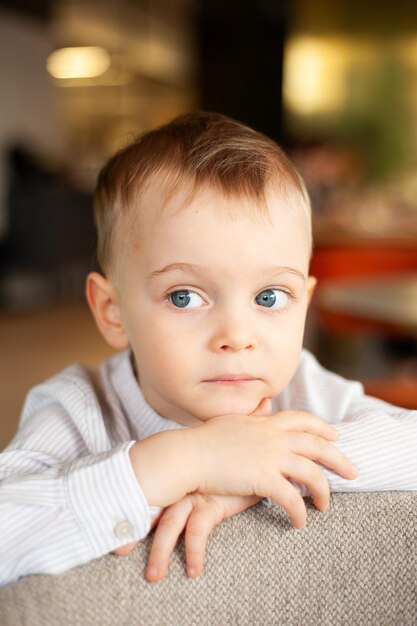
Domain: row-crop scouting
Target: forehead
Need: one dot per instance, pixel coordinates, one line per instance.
(156, 206)
(218, 231)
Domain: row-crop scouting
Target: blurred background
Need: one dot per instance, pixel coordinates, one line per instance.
(333, 81)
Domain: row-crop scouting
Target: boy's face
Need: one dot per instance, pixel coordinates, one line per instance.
(210, 293)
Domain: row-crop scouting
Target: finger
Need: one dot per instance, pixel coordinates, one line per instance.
(305, 422)
(170, 527)
(200, 524)
(286, 496)
(264, 408)
(309, 473)
(318, 449)
(126, 550)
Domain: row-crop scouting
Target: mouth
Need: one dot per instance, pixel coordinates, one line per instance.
(232, 379)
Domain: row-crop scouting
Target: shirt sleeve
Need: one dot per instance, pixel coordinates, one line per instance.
(61, 505)
(379, 438)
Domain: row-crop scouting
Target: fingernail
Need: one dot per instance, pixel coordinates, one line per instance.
(191, 571)
(152, 571)
(355, 470)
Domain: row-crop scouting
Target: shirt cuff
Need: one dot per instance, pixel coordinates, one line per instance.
(107, 500)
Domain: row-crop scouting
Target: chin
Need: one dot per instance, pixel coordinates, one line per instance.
(240, 406)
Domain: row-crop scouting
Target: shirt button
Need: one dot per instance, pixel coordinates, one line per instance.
(123, 530)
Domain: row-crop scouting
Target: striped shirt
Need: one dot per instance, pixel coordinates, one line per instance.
(68, 492)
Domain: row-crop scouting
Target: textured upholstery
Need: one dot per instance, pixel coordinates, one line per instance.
(355, 564)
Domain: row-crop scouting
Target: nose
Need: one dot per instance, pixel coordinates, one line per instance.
(233, 335)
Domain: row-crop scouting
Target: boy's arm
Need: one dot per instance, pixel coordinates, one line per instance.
(379, 438)
(67, 494)
(57, 513)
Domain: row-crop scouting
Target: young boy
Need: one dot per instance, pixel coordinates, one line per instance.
(204, 241)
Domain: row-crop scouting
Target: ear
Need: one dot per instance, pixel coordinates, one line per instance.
(102, 300)
(311, 285)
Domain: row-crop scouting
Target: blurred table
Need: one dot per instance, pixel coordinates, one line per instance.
(387, 306)
(391, 300)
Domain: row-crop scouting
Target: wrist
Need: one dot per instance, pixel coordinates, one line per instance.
(161, 466)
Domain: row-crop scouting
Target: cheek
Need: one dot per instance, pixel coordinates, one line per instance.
(289, 329)
(284, 348)
(163, 348)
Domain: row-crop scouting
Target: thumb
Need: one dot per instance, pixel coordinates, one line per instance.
(264, 408)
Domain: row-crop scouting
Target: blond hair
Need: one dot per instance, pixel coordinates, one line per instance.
(204, 149)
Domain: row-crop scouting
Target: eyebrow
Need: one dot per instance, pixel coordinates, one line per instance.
(198, 269)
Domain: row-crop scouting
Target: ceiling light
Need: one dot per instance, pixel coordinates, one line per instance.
(80, 62)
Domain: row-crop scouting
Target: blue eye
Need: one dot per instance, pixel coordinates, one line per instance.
(181, 299)
(273, 298)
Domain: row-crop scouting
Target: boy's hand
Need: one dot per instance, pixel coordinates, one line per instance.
(302, 439)
(260, 455)
(198, 514)
(172, 521)
(243, 455)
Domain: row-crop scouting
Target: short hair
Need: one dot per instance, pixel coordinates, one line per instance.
(201, 148)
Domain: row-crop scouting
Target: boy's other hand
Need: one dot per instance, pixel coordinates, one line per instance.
(198, 514)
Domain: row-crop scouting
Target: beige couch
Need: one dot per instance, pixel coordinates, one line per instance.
(356, 564)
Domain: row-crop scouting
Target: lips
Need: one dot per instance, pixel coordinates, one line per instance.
(232, 378)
